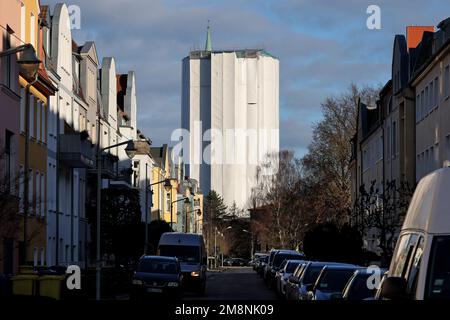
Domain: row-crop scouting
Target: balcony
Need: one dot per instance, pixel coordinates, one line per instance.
(75, 152)
(109, 163)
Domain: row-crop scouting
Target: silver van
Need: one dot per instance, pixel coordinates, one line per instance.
(420, 267)
(189, 249)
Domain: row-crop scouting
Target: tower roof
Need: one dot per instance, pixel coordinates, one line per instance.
(208, 45)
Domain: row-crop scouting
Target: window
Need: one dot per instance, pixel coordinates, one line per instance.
(7, 59)
(35, 256)
(404, 254)
(388, 139)
(22, 110)
(431, 95)
(43, 194)
(38, 120)
(31, 117)
(422, 105)
(417, 108)
(42, 257)
(30, 189)
(168, 204)
(38, 193)
(438, 279)
(136, 174)
(436, 91)
(8, 152)
(446, 81)
(427, 102)
(33, 30)
(21, 189)
(413, 272)
(394, 139)
(22, 22)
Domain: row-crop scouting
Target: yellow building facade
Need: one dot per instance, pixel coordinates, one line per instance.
(33, 146)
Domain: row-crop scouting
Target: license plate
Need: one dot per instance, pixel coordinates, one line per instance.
(154, 290)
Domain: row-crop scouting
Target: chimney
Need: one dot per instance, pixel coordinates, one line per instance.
(414, 35)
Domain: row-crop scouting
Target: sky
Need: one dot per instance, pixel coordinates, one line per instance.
(322, 45)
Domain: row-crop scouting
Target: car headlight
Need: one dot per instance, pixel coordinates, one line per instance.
(138, 282)
(172, 284)
(195, 274)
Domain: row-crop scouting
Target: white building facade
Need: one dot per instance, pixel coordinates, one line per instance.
(230, 107)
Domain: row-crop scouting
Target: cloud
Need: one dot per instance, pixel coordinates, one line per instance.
(322, 45)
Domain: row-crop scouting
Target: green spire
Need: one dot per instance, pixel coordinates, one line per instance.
(208, 46)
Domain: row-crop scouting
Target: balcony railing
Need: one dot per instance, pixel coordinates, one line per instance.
(76, 152)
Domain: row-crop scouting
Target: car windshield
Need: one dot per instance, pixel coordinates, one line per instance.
(279, 258)
(291, 267)
(334, 280)
(157, 266)
(438, 279)
(310, 274)
(359, 289)
(283, 264)
(188, 254)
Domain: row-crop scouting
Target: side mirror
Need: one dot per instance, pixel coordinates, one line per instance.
(310, 287)
(393, 288)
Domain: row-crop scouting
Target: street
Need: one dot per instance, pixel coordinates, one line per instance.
(235, 283)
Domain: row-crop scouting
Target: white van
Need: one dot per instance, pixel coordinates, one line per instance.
(420, 267)
(190, 250)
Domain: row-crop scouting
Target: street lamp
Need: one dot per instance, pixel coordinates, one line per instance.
(130, 150)
(29, 65)
(186, 201)
(28, 61)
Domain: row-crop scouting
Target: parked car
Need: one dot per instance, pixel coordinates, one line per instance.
(157, 275)
(292, 283)
(420, 266)
(190, 250)
(235, 262)
(282, 275)
(308, 277)
(278, 258)
(359, 287)
(330, 282)
(256, 258)
(268, 265)
(261, 264)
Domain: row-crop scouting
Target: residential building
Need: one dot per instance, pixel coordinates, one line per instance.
(431, 84)
(164, 202)
(383, 148)
(10, 28)
(33, 143)
(230, 109)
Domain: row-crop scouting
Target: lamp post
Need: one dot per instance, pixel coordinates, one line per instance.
(186, 201)
(131, 152)
(29, 65)
(251, 245)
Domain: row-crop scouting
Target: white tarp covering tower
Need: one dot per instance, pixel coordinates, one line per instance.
(230, 107)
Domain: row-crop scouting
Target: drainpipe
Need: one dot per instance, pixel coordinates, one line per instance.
(57, 183)
(72, 187)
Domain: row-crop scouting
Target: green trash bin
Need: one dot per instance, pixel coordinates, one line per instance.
(24, 284)
(50, 286)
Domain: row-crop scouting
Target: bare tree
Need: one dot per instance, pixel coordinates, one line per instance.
(382, 212)
(326, 165)
(284, 193)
